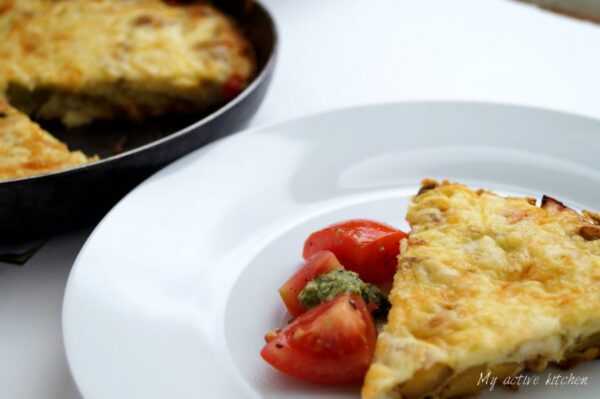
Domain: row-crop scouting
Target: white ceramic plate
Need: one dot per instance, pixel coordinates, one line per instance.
(173, 292)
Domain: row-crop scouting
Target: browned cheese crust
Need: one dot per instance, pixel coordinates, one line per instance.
(487, 284)
(27, 150)
(82, 60)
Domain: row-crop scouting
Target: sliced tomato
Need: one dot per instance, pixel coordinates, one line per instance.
(331, 343)
(364, 246)
(317, 264)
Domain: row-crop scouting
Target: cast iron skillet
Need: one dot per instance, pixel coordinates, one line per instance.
(40, 206)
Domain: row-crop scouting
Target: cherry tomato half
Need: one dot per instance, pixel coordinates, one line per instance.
(333, 342)
(363, 246)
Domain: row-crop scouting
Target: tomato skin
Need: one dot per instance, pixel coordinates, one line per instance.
(318, 263)
(232, 87)
(367, 247)
(333, 342)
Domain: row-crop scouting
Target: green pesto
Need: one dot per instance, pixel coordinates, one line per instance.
(327, 286)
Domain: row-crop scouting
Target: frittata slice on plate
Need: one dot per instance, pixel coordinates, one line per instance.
(487, 283)
(27, 150)
(83, 60)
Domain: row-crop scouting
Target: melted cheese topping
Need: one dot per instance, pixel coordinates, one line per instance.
(26, 149)
(485, 280)
(104, 58)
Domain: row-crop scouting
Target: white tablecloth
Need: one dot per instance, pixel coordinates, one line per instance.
(338, 53)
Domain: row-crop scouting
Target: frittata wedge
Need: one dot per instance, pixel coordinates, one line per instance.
(487, 284)
(27, 150)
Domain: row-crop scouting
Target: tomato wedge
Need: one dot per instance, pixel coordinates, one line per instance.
(364, 246)
(333, 342)
(318, 263)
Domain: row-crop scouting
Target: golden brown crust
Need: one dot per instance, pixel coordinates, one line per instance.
(487, 282)
(95, 59)
(27, 150)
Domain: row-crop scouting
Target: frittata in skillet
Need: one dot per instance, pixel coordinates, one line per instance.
(27, 150)
(84, 60)
(487, 283)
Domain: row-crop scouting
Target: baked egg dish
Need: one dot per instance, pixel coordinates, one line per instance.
(78, 61)
(486, 284)
(27, 150)
(83, 60)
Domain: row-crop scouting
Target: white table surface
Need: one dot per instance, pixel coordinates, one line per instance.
(338, 53)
